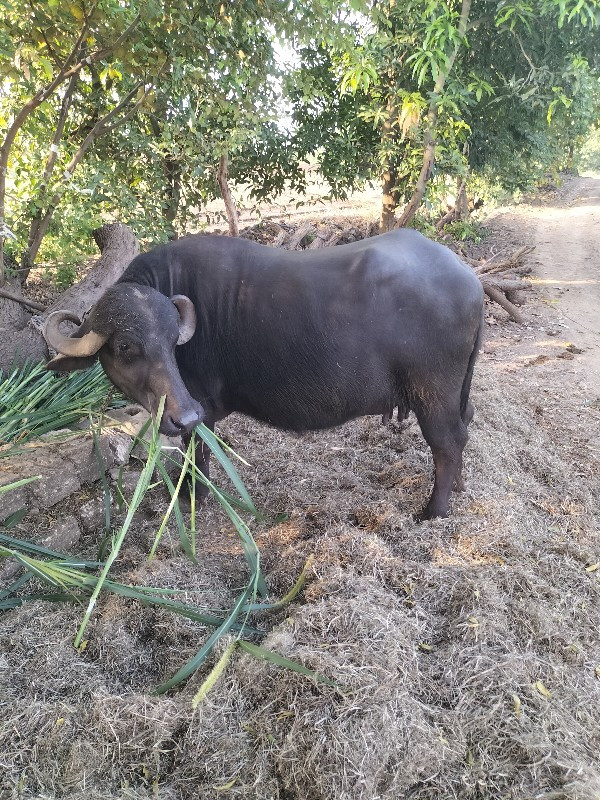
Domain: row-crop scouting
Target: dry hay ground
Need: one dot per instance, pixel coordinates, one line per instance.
(469, 648)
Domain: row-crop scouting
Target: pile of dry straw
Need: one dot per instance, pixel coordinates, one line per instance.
(468, 649)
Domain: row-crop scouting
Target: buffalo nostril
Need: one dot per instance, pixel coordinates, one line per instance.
(186, 422)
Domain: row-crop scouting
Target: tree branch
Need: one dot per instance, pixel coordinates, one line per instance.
(525, 56)
(22, 300)
(50, 164)
(429, 135)
(232, 215)
(100, 128)
(64, 73)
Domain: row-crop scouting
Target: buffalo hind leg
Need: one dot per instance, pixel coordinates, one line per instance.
(459, 483)
(446, 434)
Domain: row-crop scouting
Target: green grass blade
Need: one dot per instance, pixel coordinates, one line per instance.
(195, 662)
(30, 547)
(63, 573)
(281, 661)
(15, 586)
(14, 519)
(34, 401)
(184, 539)
(16, 484)
(138, 495)
(209, 438)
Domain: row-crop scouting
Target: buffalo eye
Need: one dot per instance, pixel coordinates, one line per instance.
(126, 349)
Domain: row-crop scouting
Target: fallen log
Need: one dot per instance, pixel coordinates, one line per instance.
(118, 246)
(497, 296)
(296, 238)
(505, 284)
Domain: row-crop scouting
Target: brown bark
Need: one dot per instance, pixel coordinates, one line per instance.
(388, 201)
(24, 342)
(230, 209)
(461, 207)
(462, 203)
(497, 296)
(411, 208)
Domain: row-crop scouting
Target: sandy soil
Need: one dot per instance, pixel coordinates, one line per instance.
(566, 233)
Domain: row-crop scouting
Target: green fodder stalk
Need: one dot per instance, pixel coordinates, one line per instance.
(34, 402)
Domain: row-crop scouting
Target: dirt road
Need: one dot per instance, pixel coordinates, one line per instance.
(566, 234)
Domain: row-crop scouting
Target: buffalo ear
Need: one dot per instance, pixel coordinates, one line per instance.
(187, 317)
(62, 363)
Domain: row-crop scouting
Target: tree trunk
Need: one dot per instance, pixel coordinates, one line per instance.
(21, 336)
(410, 209)
(172, 169)
(388, 201)
(429, 135)
(170, 164)
(462, 202)
(230, 209)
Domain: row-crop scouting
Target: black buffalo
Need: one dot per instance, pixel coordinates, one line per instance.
(299, 340)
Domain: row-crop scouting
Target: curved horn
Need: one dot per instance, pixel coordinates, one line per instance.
(86, 345)
(187, 317)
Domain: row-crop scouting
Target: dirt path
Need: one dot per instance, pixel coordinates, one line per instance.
(566, 234)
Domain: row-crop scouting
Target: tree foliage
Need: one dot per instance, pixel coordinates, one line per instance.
(124, 112)
(127, 111)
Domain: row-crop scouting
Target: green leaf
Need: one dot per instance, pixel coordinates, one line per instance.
(195, 662)
(209, 438)
(281, 661)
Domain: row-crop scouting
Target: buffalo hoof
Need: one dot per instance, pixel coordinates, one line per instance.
(430, 512)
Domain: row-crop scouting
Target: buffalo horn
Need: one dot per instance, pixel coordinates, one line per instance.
(187, 317)
(86, 345)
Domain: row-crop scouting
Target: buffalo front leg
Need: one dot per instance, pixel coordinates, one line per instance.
(446, 434)
(202, 460)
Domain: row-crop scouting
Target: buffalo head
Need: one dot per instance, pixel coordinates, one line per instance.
(133, 330)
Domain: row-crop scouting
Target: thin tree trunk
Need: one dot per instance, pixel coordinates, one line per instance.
(172, 192)
(462, 202)
(65, 72)
(388, 201)
(100, 128)
(413, 204)
(429, 133)
(230, 209)
(171, 170)
(26, 260)
(389, 198)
